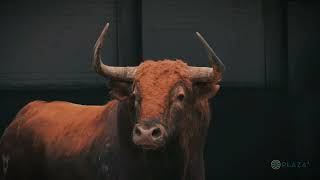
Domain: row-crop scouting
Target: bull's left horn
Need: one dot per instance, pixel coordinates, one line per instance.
(205, 74)
(121, 73)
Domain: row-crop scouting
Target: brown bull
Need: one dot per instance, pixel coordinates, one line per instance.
(155, 128)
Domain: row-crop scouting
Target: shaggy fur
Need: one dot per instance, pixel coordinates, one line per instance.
(156, 78)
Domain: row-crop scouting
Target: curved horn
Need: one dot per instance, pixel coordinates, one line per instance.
(205, 74)
(121, 73)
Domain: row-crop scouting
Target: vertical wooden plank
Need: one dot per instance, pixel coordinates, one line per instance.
(129, 32)
(275, 45)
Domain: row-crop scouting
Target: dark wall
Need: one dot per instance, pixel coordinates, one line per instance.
(303, 43)
(275, 43)
(169, 32)
(50, 42)
(266, 109)
(304, 77)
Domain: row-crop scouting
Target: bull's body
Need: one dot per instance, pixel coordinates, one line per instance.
(155, 130)
(60, 140)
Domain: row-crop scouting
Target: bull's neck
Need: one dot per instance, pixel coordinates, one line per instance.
(125, 120)
(160, 164)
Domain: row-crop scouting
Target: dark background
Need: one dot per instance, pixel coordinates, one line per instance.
(268, 106)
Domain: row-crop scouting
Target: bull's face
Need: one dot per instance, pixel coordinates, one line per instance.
(159, 103)
(165, 95)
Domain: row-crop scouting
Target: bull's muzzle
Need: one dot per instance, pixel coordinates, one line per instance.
(149, 137)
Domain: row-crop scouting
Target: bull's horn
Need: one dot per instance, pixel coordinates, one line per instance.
(121, 73)
(205, 74)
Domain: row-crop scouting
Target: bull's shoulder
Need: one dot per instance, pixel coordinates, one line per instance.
(30, 108)
(64, 128)
(39, 106)
(44, 110)
(24, 113)
(57, 130)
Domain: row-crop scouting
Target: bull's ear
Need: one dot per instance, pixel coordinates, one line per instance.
(119, 89)
(205, 90)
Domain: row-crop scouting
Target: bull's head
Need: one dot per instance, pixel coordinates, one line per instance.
(168, 97)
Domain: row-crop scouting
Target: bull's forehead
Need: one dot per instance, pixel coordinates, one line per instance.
(156, 79)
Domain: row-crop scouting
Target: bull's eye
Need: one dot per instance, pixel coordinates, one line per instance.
(136, 103)
(180, 97)
(132, 99)
(137, 98)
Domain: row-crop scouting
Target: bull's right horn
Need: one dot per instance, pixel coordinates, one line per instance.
(121, 73)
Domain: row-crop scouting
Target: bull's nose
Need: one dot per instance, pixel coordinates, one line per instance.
(148, 137)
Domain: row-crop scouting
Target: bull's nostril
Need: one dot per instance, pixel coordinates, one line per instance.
(156, 133)
(137, 131)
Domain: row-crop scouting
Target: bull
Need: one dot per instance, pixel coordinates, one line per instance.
(154, 128)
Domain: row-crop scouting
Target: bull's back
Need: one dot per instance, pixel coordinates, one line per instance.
(46, 131)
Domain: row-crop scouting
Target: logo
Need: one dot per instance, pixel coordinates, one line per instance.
(275, 164)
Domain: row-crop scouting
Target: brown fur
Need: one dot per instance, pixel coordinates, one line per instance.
(156, 78)
(67, 128)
